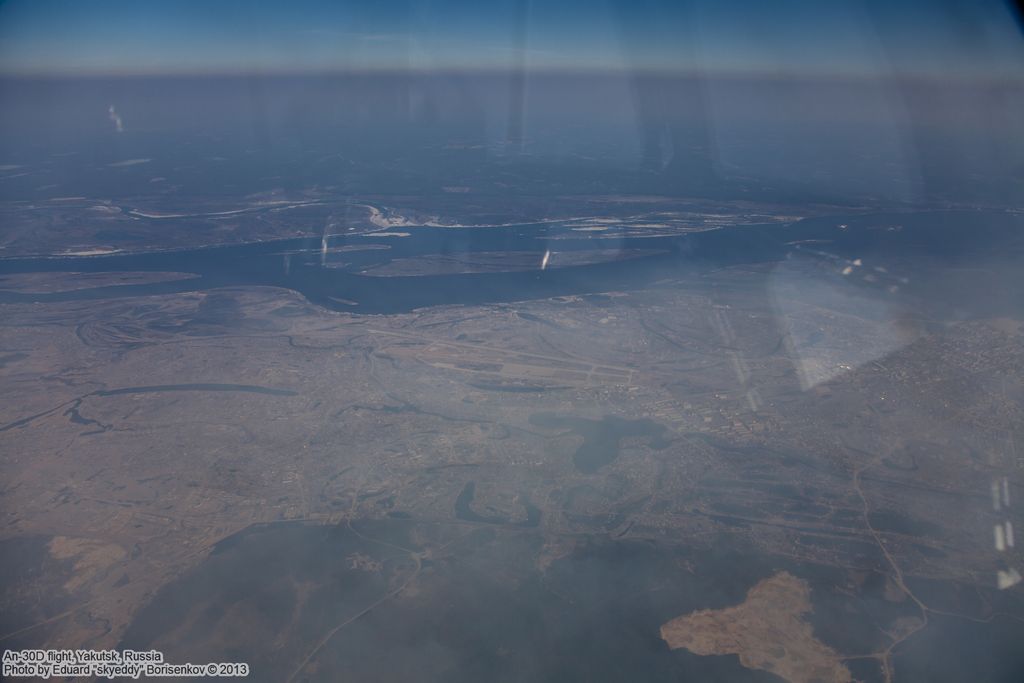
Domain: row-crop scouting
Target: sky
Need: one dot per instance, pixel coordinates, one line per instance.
(968, 38)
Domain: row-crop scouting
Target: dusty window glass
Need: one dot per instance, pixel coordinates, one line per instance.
(513, 341)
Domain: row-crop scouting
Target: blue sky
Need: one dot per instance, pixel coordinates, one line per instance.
(970, 38)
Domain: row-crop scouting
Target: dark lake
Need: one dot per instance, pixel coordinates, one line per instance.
(400, 599)
(481, 610)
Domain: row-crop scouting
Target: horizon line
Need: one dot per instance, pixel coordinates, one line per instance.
(737, 74)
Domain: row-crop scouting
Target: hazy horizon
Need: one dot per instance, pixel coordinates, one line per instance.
(863, 39)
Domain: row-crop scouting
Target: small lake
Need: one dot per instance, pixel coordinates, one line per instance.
(602, 438)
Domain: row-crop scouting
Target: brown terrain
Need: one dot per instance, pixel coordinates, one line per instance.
(767, 631)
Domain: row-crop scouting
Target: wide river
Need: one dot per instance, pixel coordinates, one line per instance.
(336, 280)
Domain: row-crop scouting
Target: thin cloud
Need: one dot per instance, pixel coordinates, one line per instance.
(116, 118)
(129, 162)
